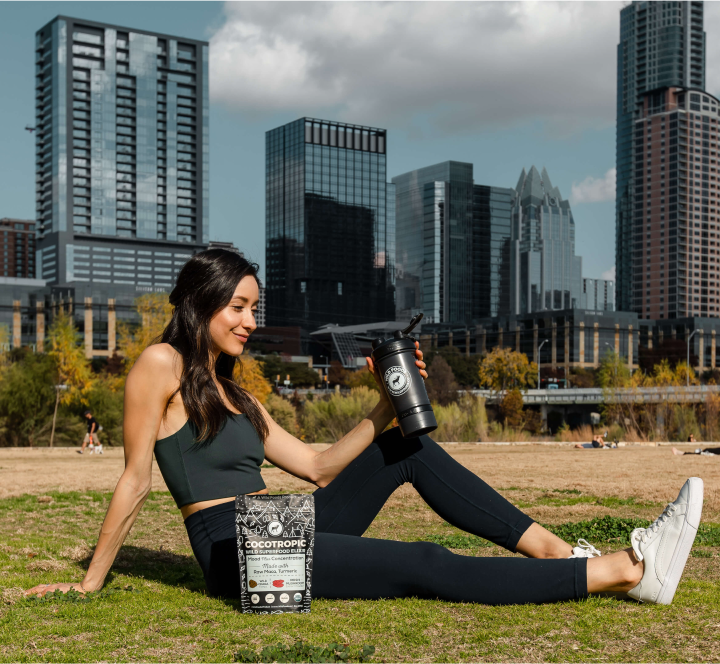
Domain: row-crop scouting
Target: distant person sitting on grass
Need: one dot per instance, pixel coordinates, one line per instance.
(210, 437)
(91, 437)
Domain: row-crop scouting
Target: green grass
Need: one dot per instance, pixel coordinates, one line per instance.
(154, 607)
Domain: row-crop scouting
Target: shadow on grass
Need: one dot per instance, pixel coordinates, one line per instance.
(170, 569)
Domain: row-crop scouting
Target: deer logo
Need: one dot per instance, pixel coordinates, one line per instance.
(397, 380)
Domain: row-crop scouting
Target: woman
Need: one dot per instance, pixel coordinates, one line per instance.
(210, 437)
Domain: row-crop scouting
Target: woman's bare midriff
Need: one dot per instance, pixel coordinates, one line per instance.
(187, 510)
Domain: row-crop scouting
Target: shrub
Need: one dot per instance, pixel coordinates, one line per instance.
(462, 422)
(328, 420)
(362, 378)
(283, 412)
(511, 409)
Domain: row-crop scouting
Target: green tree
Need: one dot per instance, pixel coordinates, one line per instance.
(26, 397)
(74, 377)
(300, 374)
(613, 371)
(503, 369)
(464, 367)
(105, 402)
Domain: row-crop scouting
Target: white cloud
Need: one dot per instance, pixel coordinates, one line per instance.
(609, 274)
(594, 190)
(457, 66)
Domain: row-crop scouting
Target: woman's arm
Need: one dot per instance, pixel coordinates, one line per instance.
(295, 457)
(147, 388)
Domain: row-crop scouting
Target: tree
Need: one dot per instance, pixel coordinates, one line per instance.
(300, 374)
(613, 371)
(26, 397)
(337, 374)
(465, 368)
(511, 408)
(440, 384)
(155, 311)
(74, 377)
(248, 374)
(503, 369)
(362, 378)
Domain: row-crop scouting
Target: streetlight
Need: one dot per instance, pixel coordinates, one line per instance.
(539, 349)
(687, 368)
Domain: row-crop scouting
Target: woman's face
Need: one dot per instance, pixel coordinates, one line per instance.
(231, 326)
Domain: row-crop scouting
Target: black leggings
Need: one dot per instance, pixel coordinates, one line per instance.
(350, 566)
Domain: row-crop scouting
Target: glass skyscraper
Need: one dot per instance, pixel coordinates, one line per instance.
(492, 215)
(121, 153)
(453, 245)
(547, 274)
(330, 225)
(662, 44)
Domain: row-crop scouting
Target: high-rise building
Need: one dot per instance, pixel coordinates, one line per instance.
(330, 225)
(17, 248)
(492, 247)
(121, 153)
(546, 273)
(677, 205)
(434, 242)
(662, 44)
(452, 245)
(598, 295)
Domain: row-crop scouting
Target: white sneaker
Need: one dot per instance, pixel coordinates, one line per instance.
(665, 545)
(585, 550)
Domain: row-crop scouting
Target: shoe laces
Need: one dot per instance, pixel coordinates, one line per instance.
(643, 535)
(585, 550)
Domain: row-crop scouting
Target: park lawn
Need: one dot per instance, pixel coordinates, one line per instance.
(160, 611)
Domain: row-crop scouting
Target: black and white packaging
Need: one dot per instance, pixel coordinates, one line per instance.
(275, 540)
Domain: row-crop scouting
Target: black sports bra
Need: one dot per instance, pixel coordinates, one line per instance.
(225, 466)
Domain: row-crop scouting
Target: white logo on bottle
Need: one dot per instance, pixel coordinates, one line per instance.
(397, 380)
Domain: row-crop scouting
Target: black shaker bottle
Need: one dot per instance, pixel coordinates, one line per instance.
(401, 379)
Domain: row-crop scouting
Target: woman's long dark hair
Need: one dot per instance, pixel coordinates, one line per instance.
(205, 285)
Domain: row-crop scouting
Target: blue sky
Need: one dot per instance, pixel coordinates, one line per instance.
(501, 85)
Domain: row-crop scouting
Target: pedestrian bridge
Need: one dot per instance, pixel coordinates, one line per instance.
(596, 395)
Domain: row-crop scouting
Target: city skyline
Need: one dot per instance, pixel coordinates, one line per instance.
(580, 158)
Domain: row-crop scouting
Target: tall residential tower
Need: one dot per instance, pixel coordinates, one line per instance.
(662, 44)
(121, 153)
(330, 225)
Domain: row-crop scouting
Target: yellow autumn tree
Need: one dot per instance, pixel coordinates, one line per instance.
(74, 377)
(248, 374)
(155, 311)
(504, 369)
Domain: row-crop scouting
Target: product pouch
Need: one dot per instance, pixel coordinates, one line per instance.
(275, 540)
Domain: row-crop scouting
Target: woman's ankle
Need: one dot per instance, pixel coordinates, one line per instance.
(616, 572)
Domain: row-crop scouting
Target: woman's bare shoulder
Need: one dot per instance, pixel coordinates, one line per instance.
(158, 361)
